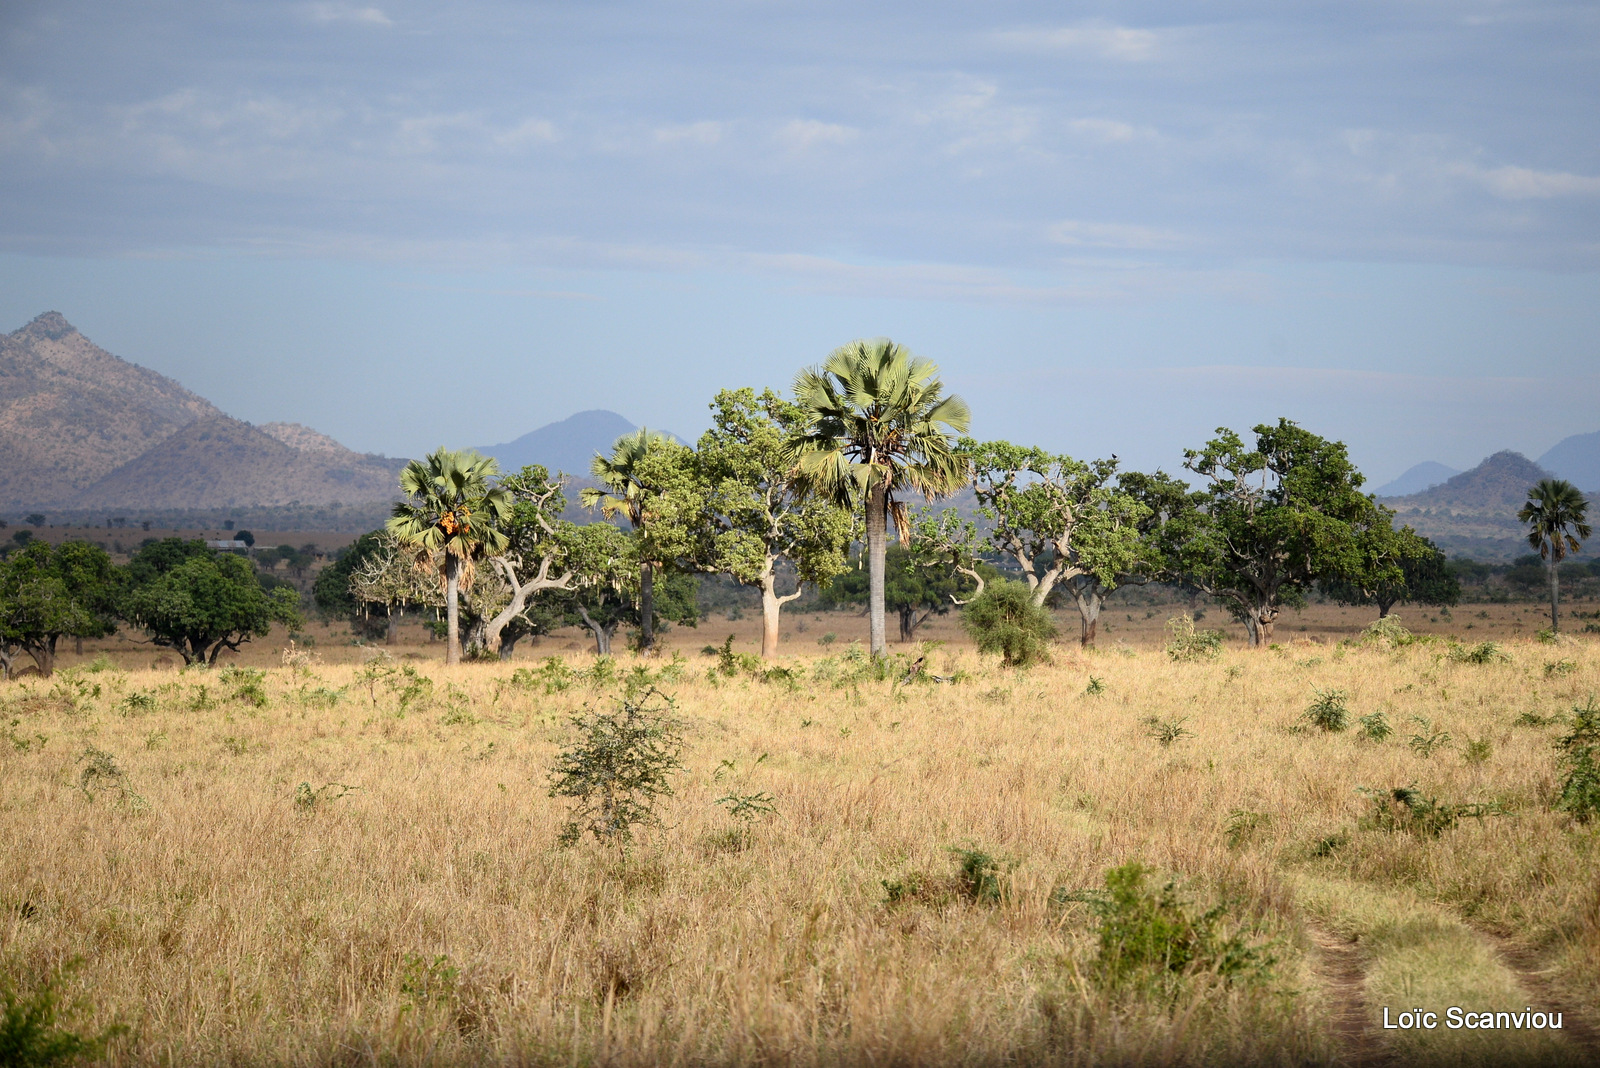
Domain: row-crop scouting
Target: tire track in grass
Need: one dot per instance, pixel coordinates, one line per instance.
(1524, 964)
(1339, 966)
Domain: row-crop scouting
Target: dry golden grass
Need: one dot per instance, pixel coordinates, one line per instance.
(428, 916)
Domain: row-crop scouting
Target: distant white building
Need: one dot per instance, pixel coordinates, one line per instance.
(226, 545)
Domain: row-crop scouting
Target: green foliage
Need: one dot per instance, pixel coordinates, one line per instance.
(1241, 826)
(307, 799)
(1580, 748)
(914, 589)
(1004, 619)
(1186, 645)
(47, 593)
(1166, 731)
(1095, 687)
(1375, 727)
(553, 675)
(1329, 710)
(248, 685)
(731, 664)
(1477, 750)
(618, 768)
(1406, 809)
(1560, 669)
(979, 876)
(33, 1031)
(1481, 653)
(1387, 632)
(426, 981)
(1148, 935)
(1423, 575)
(199, 603)
(1427, 741)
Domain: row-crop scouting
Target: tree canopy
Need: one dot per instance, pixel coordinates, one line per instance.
(48, 593)
(200, 603)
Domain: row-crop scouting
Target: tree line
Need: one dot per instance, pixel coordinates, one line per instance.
(786, 490)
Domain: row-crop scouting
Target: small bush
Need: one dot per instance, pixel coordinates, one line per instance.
(1003, 619)
(1482, 653)
(1427, 741)
(1580, 748)
(1477, 750)
(306, 799)
(1147, 934)
(1186, 645)
(1387, 632)
(1407, 809)
(618, 768)
(1329, 710)
(1095, 687)
(32, 1034)
(978, 876)
(1166, 731)
(1375, 727)
(1560, 668)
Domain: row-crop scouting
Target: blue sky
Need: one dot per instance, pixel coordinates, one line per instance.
(1115, 226)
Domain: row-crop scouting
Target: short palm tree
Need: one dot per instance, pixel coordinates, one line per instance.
(452, 517)
(1555, 514)
(878, 424)
(620, 473)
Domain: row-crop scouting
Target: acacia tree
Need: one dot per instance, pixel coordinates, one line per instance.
(605, 592)
(756, 514)
(47, 593)
(877, 424)
(532, 542)
(1276, 518)
(450, 520)
(651, 480)
(1556, 515)
(199, 603)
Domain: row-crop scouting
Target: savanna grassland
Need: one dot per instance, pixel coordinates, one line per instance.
(321, 863)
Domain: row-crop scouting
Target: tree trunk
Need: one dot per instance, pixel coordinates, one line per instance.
(44, 656)
(1384, 604)
(452, 609)
(1267, 618)
(647, 608)
(77, 645)
(602, 632)
(877, 547)
(908, 624)
(1555, 598)
(391, 633)
(1089, 602)
(508, 644)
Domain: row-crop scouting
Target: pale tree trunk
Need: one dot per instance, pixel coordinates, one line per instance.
(877, 547)
(391, 630)
(1089, 605)
(602, 632)
(520, 592)
(647, 608)
(452, 610)
(771, 606)
(1555, 598)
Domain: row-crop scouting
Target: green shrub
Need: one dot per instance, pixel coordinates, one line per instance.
(1560, 668)
(1187, 645)
(1580, 746)
(1003, 619)
(979, 876)
(1427, 741)
(1387, 632)
(1166, 731)
(1375, 727)
(1477, 750)
(1147, 934)
(1482, 653)
(1329, 710)
(618, 768)
(32, 1034)
(1407, 809)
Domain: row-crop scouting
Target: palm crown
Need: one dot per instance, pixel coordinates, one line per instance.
(878, 417)
(1555, 514)
(620, 474)
(453, 511)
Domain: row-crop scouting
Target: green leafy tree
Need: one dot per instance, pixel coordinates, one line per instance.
(533, 547)
(1424, 575)
(652, 484)
(450, 520)
(877, 424)
(1276, 518)
(331, 590)
(47, 593)
(1004, 619)
(1556, 515)
(200, 603)
(605, 592)
(915, 589)
(756, 514)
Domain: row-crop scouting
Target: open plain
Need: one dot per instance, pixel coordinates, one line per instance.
(357, 863)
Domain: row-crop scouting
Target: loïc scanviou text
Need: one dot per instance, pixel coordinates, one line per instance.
(1456, 1018)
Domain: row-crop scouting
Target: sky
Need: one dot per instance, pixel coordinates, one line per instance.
(1115, 227)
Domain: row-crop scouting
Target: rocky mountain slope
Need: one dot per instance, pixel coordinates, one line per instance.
(1475, 512)
(81, 429)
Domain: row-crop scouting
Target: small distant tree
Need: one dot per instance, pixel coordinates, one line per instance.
(331, 590)
(47, 593)
(1424, 576)
(245, 536)
(756, 514)
(605, 591)
(450, 520)
(200, 603)
(1556, 515)
(1276, 518)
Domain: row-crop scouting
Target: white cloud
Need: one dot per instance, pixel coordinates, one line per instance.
(695, 133)
(1109, 131)
(798, 135)
(1523, 183)
(1100, 38)
(529, 131)
(1112, 235)
(369, 16)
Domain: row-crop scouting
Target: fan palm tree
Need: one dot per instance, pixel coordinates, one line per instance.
(451, 518)
(621, 474)
(878, 423)
(1555, 514)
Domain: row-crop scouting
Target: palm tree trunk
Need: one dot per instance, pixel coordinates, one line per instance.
(647, 608)
(452, 609)
(1555, 599)
(877, 547)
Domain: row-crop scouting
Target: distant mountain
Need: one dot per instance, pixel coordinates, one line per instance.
(70, 412)
(221, 462)
(565, 446)
(1576, 459)
(82, 430)
(1475, 513)
(1423, 476)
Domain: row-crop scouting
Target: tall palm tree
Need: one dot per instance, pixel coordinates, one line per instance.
(1555, 515)
(878, 424)
(621, 474)
(451, 518)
